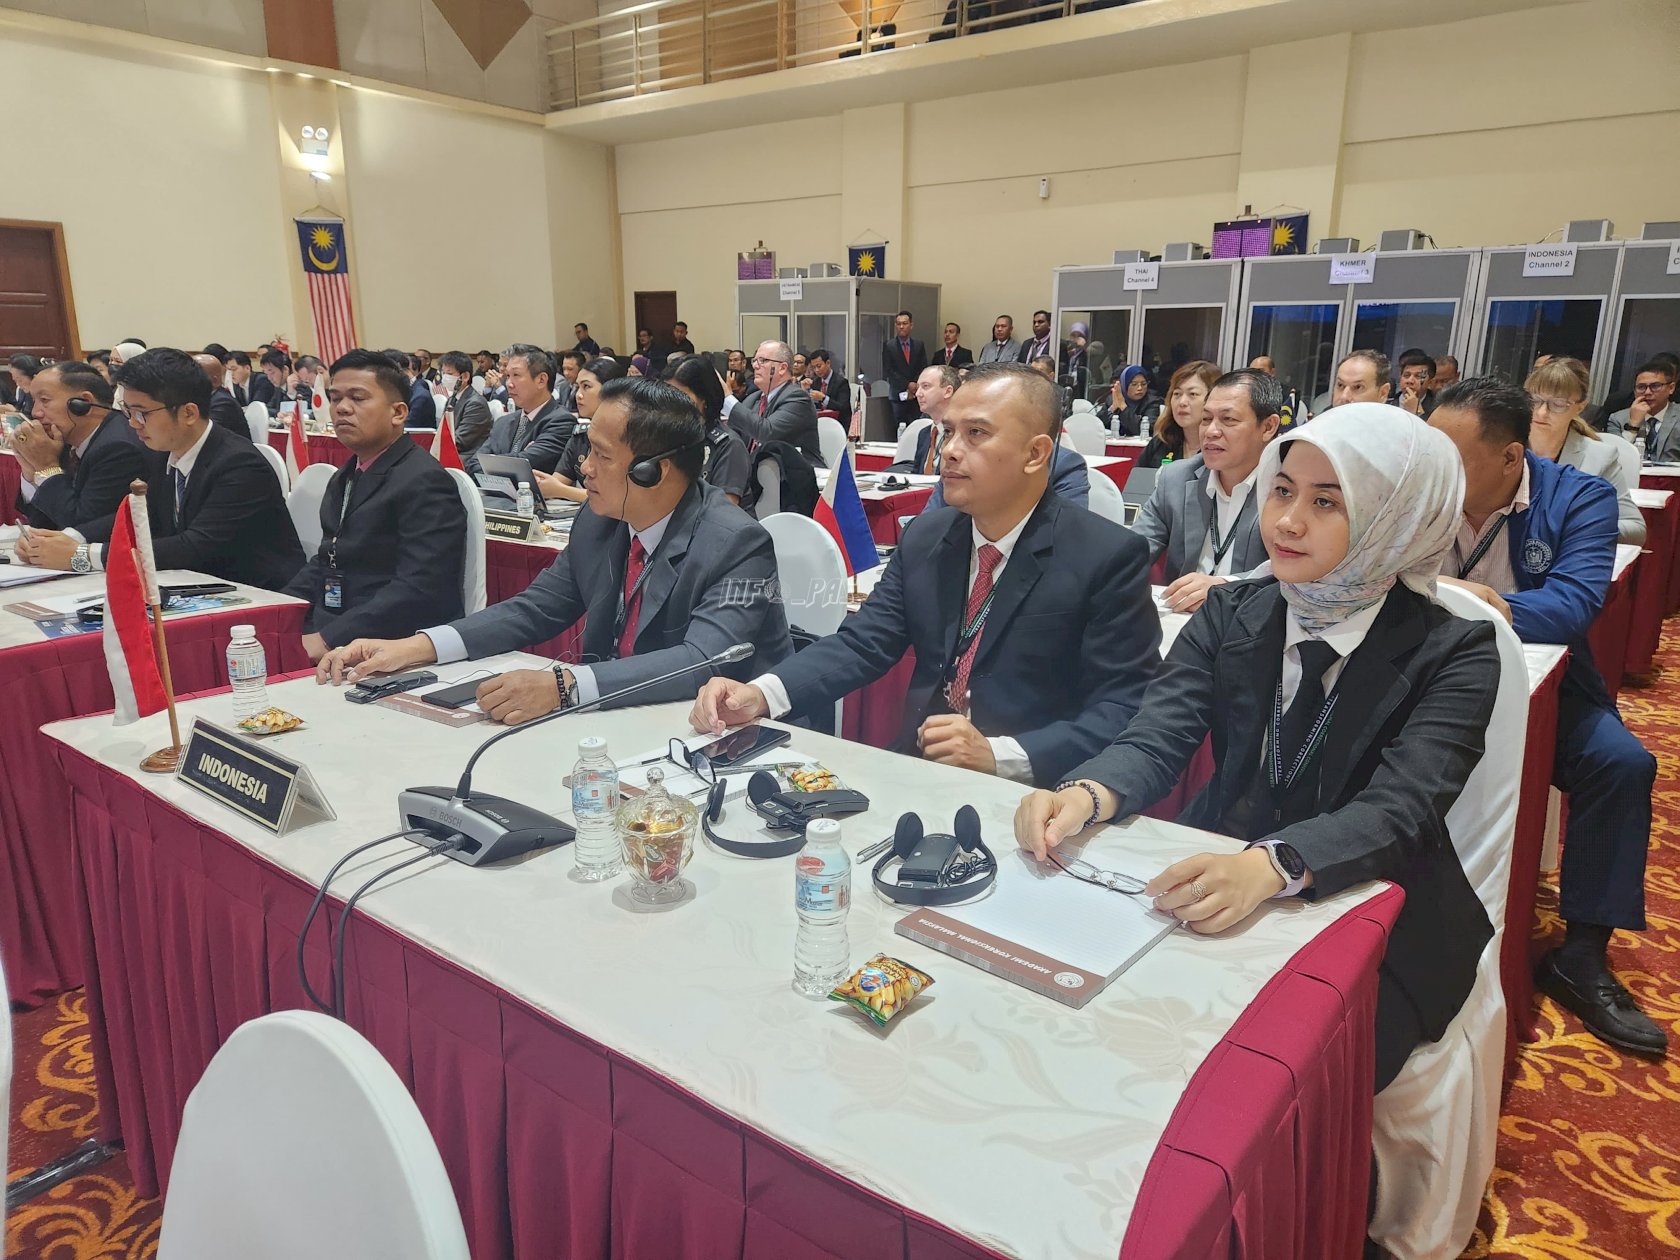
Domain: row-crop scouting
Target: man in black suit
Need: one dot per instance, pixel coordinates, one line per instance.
(468, 413)
(224, 411)
(78, 454)
(1039, 345)
(951, 354)
(829, 390)
(393, 530)
(541, 427)
(422, 411)
(214, 503)
(680, 344)
(665, 575)
(902, 361)
(1032, 622)
(247, 386)
(585, 343)
(778, 409)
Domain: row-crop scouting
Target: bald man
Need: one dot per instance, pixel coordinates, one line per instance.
(225, 411)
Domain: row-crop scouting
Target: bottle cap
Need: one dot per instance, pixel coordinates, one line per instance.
(244, 632)
(592, 746)
(823, 829)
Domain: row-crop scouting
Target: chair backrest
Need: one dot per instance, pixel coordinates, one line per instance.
(1140, 484)
(274, 461)
(810, 571)
(907, 440)
(299, 1140)
(880, 389)
(1106, 499)
(1627, 455)
(1082, 406)
(496, 408)
(769, 473)
(831, 438)
(1484, 818)
(304, 504)
(473, 596)
(1089, 436)
(256, 416)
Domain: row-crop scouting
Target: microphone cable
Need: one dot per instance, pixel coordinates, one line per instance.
(315, 907)
(428, 849)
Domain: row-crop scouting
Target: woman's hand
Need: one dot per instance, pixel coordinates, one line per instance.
(1044, 819)
(1213, 891)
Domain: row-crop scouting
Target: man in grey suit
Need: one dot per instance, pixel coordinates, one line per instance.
(778, 409)
(468, 413)
(1203, 513)
(540, 427)
(1002, 348)
(666, 571)
(1652, 422)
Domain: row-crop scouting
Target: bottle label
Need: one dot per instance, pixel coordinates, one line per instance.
(820, 894)
(244, 667)
(594, 798)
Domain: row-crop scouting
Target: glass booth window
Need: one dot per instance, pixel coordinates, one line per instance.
(1301, 340)
(1648, 325)
(1520, 330)
(757, 329)
(822, 332)
(1107, 345)
(1176, 335)
(1395, 327)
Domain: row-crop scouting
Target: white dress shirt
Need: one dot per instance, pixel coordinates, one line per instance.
(1012, 760)
(184, 462)
(449, 647)
(1346, 635)
(1493, 570)
(1226, 508)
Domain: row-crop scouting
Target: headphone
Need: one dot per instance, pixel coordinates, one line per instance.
(81, 406)
(648, 473)
(936, 869)
(781, 811)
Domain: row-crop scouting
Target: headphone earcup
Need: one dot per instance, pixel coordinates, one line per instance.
(647, 473)
(907, 835)
(714, 801)
(79, 406)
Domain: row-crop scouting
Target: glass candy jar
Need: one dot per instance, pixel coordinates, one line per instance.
(657, 832)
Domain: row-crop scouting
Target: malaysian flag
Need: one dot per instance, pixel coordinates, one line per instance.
(327, 266)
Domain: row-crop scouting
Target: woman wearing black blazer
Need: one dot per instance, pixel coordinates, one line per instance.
(1346, 710)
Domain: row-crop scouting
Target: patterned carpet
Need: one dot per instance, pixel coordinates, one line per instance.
(1589, 1155)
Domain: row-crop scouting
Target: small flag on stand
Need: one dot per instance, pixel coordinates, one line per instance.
(443, 445)
(840, 512)
(130, 589)
(297, 448)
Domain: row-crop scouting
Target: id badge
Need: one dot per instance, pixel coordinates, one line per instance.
(333, 596)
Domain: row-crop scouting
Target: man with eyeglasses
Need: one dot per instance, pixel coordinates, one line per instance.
(1650, 422)
(78, 454)
(215, 504)
(778, 409)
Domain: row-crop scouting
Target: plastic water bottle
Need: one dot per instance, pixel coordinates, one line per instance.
(526, 505)
(248, 672)
(596, 851)
(822, 897)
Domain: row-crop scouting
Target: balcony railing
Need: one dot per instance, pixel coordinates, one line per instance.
(666, 44)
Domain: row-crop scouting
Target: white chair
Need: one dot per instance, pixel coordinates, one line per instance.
(1436, 1124)
(811, 573)
(256, 416)
(907, 440)
(1106, 499)
(497, 410)
(304, 504)
(473, 596)
(769, 476)
(1627, 455)
(299, 1140)
(478, 382)
(831, 438)
(1087, 432)
(274, 461)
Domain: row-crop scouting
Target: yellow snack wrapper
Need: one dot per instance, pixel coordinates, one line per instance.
(882, 987)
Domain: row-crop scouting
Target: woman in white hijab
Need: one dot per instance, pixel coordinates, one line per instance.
(1346, 709)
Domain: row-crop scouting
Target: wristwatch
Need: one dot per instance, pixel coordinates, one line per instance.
(1288, 863)
(567, 685)
(81, 562)
(41, 474)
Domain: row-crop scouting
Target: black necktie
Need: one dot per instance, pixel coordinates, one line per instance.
(1316, 657)
(519, 432)
(180, 494)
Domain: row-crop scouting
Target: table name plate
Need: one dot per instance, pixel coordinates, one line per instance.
(277, 794)
(511, 525)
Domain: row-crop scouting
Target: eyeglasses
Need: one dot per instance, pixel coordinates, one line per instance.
(766, 362)
(1557, 406)
(1651, 387)
(138, 415)
(1114, 881)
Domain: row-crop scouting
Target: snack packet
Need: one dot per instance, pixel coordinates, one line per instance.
(882, 987)
(812, 778)
(270, 721)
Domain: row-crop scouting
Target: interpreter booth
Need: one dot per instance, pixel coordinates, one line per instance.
(1646, 315)
(1552, 299)
(849, 316)
(1309, 310)
(1159, 314)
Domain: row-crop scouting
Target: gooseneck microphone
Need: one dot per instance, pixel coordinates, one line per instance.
(485, 828)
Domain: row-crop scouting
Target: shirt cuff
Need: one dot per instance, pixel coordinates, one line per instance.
(447, 644)
(1012, 760)
(27, 489)
(588, 690)
(729, 401)
(775, 695)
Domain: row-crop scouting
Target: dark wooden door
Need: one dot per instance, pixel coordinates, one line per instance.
(37, 313)
(655, 312)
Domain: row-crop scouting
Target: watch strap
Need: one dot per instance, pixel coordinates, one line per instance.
(1292, 885)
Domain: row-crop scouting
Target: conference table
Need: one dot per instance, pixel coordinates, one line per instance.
(45, 679)
(1665, 477)
(1661, 510)
(11, 481)
(325, 448)
(1518, 951)
(1115, 464)
(602, 1080)
(1611, 632)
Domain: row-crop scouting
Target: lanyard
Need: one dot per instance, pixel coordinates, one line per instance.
(1220, 547)
(343, 514)
(971, 631)
(1465, 569)
(1309, 748)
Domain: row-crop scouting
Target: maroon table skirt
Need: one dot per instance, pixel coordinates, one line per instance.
(1517, 952)
(324, 448)
(11, 479)
(63, 678)
(1653, 480)
(509, 567)
(884, 512)
(559, 1146)
(1608, 637)
(1650, 604)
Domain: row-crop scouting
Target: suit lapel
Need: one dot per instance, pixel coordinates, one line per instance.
(1020, 575)
(1197, 506)
(672, 547)
(1251, 551)
(950, 567)
(1245, 678)
(1370, 687)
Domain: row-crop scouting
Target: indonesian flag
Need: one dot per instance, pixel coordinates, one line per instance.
(297, 449)
(129, 656)
(840, 512)
(444, 449)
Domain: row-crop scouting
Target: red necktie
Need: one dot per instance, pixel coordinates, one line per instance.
(632, 597)
(956, 695)
(906, 347)
(763, 402)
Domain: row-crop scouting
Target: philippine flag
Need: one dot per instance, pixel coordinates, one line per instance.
(297, 448)
(840, 512)
(131, 584)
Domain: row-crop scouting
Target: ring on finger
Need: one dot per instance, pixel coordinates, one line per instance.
(1197, 890)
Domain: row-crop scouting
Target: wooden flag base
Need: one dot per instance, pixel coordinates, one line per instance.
(164, 760)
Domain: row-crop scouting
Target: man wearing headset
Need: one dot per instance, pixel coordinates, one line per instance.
(666, 570)
(78, 454)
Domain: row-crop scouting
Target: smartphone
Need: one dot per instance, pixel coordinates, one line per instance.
(458, 696)
(743, 745)
(377, 688)
(195, 588)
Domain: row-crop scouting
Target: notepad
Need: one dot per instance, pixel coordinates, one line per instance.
(1044, 930)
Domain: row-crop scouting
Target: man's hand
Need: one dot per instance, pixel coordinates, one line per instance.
(492, 379)
(46, 549)
(1411, 400)
(1638, 413)
(1190, 591)
(316, 646)
(35, 446)
(1213, 891)
(519, 695)
(363, 658)
(1044, 819)
(723, 703)
(291, 382)
(1484, 593)
(953, 740)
